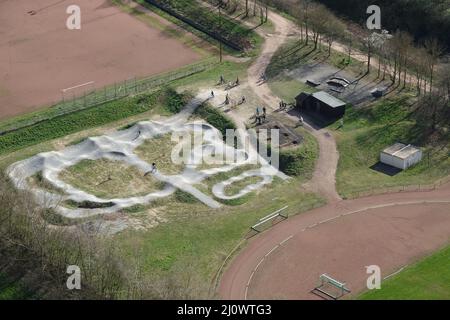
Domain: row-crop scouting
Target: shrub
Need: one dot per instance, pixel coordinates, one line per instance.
(215, 118)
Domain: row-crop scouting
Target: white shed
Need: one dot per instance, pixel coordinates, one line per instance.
(401, 156)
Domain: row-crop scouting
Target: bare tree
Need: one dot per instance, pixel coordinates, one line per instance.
(435, 51)
(319, 17)
(333, 29)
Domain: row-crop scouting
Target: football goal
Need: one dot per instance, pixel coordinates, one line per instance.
(330, 287)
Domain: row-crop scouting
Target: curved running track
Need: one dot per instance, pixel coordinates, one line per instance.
(340, 239)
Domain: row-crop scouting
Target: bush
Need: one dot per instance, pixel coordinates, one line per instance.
(215, 118)
(298, 162)
(173, 101)
(185, 197)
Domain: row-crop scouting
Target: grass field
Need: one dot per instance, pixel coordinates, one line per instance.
(110, 179)
(237, 186)
(158, 150)
(428, 279)
(191, 246)
(368, 131)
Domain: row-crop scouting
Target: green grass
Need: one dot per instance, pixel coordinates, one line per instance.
(159, 150)
(300, 161)
(12, 290)
(368, 131)
(109, 179)
(237, 186)
(228, 29)
(196, 239)
(64, 125)
(428, 279)
(214, 117)
(287, 88)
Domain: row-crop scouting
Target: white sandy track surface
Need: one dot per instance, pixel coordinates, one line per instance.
(120, 146)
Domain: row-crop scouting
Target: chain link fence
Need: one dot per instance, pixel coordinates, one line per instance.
(96, 97)
(397, 189)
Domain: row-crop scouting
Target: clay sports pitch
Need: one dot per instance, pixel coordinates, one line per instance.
(40, 57)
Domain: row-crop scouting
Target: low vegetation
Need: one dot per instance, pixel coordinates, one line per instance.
(159, 150)
(300, 161)
(237, 186)
(215, 118)
(88, 118)
(109, 179)
(185, 253)
(368, 131)
(425, 280)
(295, 53)
(208, 20)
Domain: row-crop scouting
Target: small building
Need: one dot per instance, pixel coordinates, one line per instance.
(401, 156)
(322, 103)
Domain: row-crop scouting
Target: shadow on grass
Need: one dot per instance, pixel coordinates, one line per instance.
(385, 169)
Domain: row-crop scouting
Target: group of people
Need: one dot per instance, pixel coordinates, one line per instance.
(229, 85)
(260, 116)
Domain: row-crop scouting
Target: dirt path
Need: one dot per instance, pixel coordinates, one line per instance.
(339, 239)
(323, 180)
(342, 237)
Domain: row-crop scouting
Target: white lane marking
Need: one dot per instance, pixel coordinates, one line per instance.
(396, 272)
(78, 86)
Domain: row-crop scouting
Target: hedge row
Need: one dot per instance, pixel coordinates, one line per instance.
(215, 118)
(88, 118)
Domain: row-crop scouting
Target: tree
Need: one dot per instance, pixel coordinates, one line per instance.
(435, 51)
(319, 17)
(305, 6)
(334, 29)
(444, 79)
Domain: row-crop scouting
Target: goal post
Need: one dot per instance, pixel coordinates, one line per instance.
(331, 287)
(270, 218)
